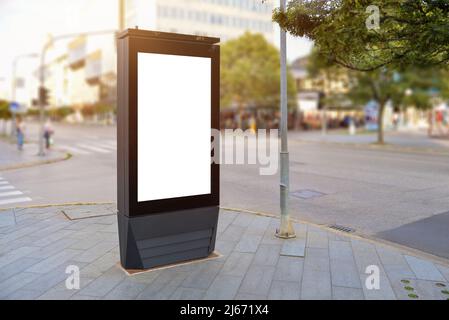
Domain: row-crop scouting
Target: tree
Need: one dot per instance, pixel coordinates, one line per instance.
(250, 73)
(5, 114)
(410, 33)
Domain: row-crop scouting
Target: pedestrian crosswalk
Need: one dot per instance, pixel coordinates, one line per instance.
(10, 195)
(90, 147)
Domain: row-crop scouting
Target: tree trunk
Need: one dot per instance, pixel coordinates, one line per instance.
(380, 124)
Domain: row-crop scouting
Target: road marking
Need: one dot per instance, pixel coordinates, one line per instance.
(104, 146)
(85, 146)
(3, 182)
(75, 150)
(10, 193)
(15, 200)
(6, 188)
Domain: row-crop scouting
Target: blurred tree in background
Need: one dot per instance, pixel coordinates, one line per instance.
(250, 74)
(408, 34)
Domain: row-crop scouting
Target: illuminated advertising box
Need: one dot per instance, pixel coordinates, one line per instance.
(168, 186)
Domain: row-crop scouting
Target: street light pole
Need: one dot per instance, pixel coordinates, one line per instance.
(47, 45)
(14, 87)
(286, 228)
(121, 15)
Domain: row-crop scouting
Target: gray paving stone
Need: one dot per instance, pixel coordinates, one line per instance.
(7, 218)
(289, 269)
(53, 261)
(257, 280)
(203, 275)
(293, 247)
(232, 233)
(343, 293)
(243, 220)
(224, 247)
(15, 267)
(60, 291)
(284, 290)
(237, 264)
(187, 294)
(52, 249)
(423, 269)
(224, 287)
(22, 294)
(316, 285)
(317, 239)
(104, 283)
(78, 296)
(428, 290)
(267, 255)
(340, 250)
(164, 285)
(259, 225)
(344, 273)
(248, 296)
(96, 251)
(126, 290)
(444, 271)
(248, 243)
(16, 282)
(21, 252)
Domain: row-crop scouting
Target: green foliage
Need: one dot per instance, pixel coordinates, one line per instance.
(4, 110)
(60, 113)
(410, 33)
(100, 108)
(250, 73)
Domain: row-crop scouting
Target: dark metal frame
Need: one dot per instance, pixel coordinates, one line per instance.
(163, 43)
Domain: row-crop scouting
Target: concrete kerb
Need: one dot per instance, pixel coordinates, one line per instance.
(354, 235)
(66, 156)
(375, 146)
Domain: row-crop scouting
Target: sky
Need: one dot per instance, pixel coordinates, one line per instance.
(25, 25)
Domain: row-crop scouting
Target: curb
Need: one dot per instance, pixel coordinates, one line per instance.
(374, 146)
(66, 156)
(355, 235)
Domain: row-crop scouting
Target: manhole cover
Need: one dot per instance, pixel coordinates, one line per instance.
(307, 194)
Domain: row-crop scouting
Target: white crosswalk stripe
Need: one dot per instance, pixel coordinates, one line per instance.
(8, 194)
(75, 150)
(91, 147)
(96, 149)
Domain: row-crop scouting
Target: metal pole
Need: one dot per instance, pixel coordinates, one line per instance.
(286, 228)
(13, 96)
(41, 101)
(323, 121)
(121, 15)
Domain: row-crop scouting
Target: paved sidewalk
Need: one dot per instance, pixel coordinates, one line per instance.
(37, 245)
(11, 158)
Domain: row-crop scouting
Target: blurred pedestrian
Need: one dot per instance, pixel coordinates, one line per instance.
(20, 132)
(48, 133)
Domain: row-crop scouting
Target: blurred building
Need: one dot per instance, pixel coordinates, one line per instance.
(81, 72)
(323, 91)
(219, 18)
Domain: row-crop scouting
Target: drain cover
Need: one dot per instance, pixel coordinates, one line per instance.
(307, 194)
(341, 228)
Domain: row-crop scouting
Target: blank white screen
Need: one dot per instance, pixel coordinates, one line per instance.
(174, 126)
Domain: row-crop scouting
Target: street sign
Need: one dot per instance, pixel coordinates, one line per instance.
(14, 107)
(168, 187)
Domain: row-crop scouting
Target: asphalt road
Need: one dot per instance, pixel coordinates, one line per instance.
(395, 194)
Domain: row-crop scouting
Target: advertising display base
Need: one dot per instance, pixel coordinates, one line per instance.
(153, 240)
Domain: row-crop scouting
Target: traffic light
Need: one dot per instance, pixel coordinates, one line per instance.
(43, 96)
